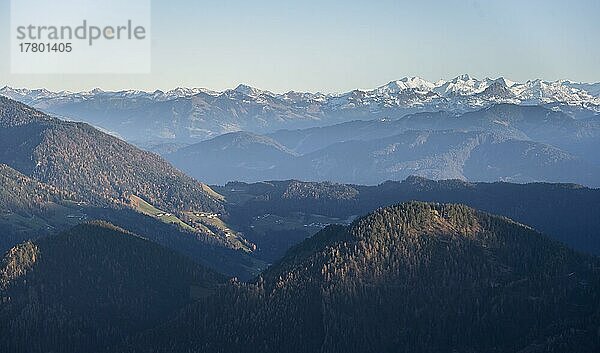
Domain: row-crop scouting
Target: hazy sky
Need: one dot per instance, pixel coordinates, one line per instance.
(333, 46)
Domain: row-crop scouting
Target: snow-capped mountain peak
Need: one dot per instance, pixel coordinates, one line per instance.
(463, 78)
(251, 91)
(463, 85)
(406, 83)
(459, 94)
(182, 92)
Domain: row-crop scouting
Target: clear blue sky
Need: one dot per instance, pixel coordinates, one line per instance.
(332, 46)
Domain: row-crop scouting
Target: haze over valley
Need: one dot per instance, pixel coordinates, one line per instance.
(451, 216)
(462, 128)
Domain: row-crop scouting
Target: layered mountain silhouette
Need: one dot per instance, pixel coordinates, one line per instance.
(503, 142)
(55, 174)
(110, 248)
(565, 212)
(553, 123)
(188, 115)
(533, 123)
(232, 156)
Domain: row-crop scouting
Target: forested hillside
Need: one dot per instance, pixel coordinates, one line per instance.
(87, 289)
(567, 212)
(64, 173)
(30, 209)
(19, 192)
(414, 277)
(96, 166)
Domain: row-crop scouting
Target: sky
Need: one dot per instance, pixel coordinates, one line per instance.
(335, 46)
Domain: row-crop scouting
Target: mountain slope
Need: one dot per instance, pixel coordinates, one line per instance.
(444, 155)
(20, 192)
(97, 167)
(90, 287)
(569, 213)
(437, 154)
(512, 121)
(409, 278)
(96, 176)
(183, 119)
(30, 210)
(233, 156)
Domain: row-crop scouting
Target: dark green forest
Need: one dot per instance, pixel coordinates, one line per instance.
(414, 277)
(566, 212)
(88, 289)
(30, 210)
(100, 168)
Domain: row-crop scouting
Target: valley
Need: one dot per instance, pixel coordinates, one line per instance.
(468, 223)
(300, 177)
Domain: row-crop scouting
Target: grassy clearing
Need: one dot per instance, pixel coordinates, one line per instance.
(219, 228)
(144, 207)
(212, 193)
(206, 223)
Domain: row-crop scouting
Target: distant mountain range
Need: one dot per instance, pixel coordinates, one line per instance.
(502, 142)
(188, 115)
(110, 248)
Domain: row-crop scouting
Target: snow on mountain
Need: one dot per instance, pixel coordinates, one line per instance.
(465, 93)
(407, 83)
(497, 90)
(29, 95)
(181, 92)
(37, 96)
(304, 97)
(463, 85)
(541, 92)
(193, 114)
(408, 91)
(251, 91)
(591, 88)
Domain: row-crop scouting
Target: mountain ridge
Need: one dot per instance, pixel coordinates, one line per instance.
(387, 282)
(463, 84)
(474, 148)
(565, 212)
(75, 157)
(88, 288)
(187, 115)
